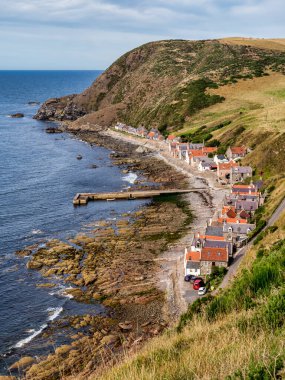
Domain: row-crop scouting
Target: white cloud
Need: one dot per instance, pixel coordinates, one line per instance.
(103, 29)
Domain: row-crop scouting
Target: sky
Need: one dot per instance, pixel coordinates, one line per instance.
(91, 34)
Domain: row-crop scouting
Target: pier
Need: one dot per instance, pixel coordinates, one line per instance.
(84, 198)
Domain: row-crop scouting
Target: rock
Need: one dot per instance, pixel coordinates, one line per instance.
(137, 341)
(60, 109)
(97, 296)
(33, 103)
(125, 326)
(109, 340)
(24, 252)
(7, 378)
(34, 264)
(17, 115)
(53, 130)
(64, 349)
(146, 324)
(22, 363)
(88, 277)
(94, 166)
(75, 292)
(141, 149)
(140, 278)
(46, 285)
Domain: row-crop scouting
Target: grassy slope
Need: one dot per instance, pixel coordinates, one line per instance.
(153, 84)
(256, 110)
(238, 335)
(273, 43)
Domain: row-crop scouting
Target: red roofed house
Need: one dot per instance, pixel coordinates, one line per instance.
(209, 149)
(171, 138)
(192, 262)
(234, 152)
(213, 257)
(151, 135)
(224, 171)
(192, 155)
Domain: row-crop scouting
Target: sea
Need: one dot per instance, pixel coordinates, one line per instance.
(39, 176)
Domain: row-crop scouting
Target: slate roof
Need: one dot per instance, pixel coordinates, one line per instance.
(242, 170)
(248, 205)
(196, 146)
(239, 228)
(193, 265)
(216, 244)
(214, 231)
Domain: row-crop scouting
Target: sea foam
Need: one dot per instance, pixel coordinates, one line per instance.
(131, 178)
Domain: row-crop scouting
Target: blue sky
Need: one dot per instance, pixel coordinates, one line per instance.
(91, 34)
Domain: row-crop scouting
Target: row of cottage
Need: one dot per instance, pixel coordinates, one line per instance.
(202, 157)
(206, 158)
(226, 233)
(141, 131)
(230, 229)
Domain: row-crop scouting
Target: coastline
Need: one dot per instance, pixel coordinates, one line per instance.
(162, 293)
(151, 322)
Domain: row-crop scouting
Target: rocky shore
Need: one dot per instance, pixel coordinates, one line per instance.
(116, 264)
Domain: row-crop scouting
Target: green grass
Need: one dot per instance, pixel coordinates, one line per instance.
(278, 93)
(267, 271)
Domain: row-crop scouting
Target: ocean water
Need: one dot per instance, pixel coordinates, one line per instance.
(39, 175)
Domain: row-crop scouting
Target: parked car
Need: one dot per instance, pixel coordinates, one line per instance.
(197, 278)
(202, 291)
(198, 283)
(189, 278)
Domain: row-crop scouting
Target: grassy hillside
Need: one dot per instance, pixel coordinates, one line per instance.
(263, 43)
(163, 83)
(239, 334)
(252, 113)
(231, 91)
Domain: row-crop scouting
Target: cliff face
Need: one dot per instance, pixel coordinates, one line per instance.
(163, 83)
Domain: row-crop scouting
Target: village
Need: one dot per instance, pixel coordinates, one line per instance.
(212, 249)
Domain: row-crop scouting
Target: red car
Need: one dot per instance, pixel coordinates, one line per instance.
(198, 283)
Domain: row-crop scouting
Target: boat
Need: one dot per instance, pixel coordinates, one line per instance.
(110, 199)
(79, 157)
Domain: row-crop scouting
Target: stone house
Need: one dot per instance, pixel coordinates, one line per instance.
(213, 257)
(224, 171)
(236, 152)
(192, 261)
(240, 173)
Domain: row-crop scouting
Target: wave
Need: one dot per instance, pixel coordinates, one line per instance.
(36, 232)
(24, 341)
(131, 178)
(55, 311)
(62, 292)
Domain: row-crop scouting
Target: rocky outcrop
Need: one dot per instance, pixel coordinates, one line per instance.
(17, 115)
(60, 109)
(24, 362)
